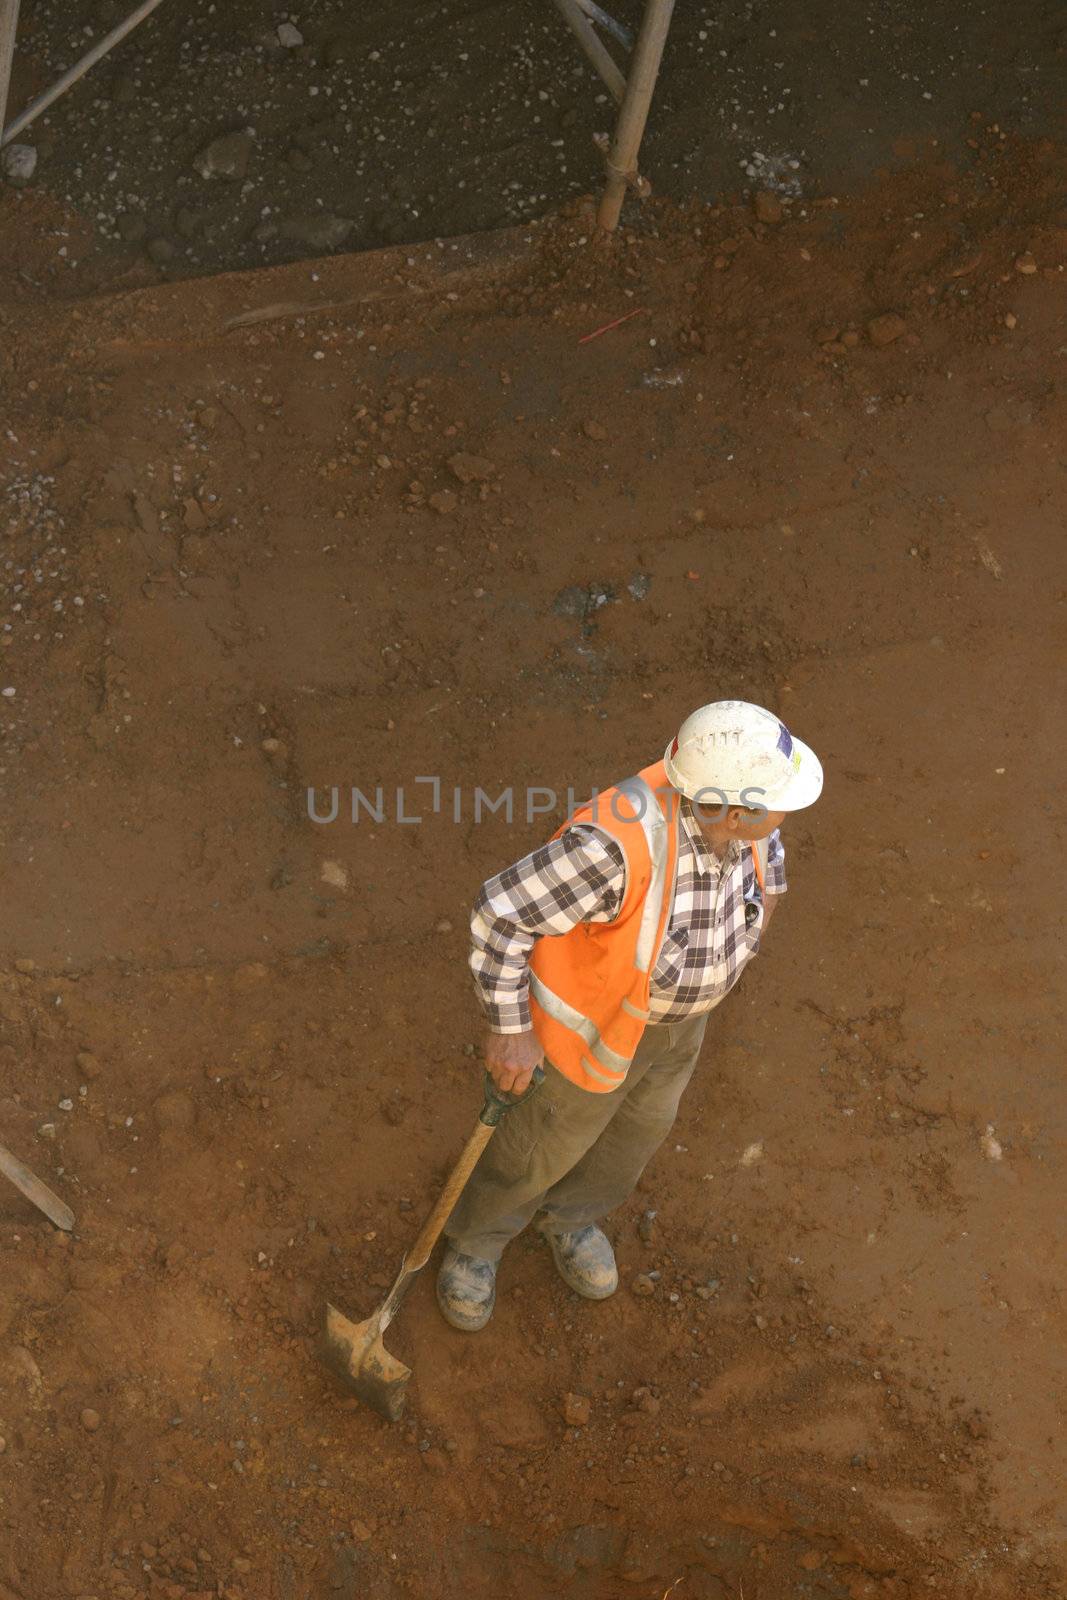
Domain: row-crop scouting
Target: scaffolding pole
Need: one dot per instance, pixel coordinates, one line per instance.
(9, 21)
(621, 161)
(578, 21)
(72, 74)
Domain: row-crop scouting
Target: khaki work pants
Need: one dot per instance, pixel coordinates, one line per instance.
(572, 1154)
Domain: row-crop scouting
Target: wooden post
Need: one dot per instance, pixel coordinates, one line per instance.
(78, 70)
(585, 33)
(9, 21)
(644, 69)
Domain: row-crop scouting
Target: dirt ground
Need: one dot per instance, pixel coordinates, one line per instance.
(396, 121)
(245, 551)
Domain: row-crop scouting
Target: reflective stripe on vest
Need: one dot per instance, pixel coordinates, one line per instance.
(654, 827)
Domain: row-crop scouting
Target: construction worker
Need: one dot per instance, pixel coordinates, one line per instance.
(598, 957)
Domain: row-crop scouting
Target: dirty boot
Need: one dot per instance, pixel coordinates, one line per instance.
(585, 1261)
(466, 1290)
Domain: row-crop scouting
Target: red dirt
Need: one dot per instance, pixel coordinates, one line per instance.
(218, 544)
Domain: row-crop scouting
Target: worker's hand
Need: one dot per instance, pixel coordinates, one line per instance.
(510, 1059)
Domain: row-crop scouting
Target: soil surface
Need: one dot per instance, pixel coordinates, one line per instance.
(382, 518)
(351, 126)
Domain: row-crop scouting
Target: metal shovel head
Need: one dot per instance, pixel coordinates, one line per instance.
(354, 1352)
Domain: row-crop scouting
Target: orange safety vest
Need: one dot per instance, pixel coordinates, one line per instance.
(590, 987)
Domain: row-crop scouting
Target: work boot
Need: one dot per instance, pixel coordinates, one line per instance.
(466, 1290)
(585, 1261)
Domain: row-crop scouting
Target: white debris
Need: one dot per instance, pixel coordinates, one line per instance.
(752, 1153)
(334, 874)
(19, 162)
(992, 1148)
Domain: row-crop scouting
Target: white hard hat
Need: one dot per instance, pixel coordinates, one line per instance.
(737, 754)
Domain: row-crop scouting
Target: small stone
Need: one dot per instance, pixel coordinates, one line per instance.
(1011, 320)
(276, 752)
(289, 36)
(174, 1112)
(1026, 264)
(826, 334)
(885, 329)
(334, 874)
(360, 1531)
(250, 973)
(768, 207)
(444, 502)
(576, 1410)
(811, 1560)
(444, 926)
(3, 1444)
(320, 230)
(850, 338)
(594, 430)
(47, 1130)
(642, 1286)
(25, 965)
(160, 251)
(131, 226)
(18, 162)
(90, 1420)
(226, 157)
(470, 469)
(88, 1064)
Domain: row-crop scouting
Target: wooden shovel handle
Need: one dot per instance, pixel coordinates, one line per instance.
(422, 1249)
(497, 1105)
(39, 1193)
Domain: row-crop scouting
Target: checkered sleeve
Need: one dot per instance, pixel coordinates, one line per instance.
(775, 875)
(579, 877)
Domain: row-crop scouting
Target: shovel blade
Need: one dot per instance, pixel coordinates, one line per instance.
(355, 1354)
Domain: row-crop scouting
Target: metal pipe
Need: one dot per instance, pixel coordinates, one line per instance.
(629, 130)
(583, 31)
(78, 70)
(616, 29)
(9, 21)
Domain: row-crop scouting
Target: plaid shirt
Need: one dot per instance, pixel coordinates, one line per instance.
(581, 877)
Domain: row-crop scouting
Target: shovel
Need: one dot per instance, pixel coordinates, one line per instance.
(29, 1184)
(354, 1351)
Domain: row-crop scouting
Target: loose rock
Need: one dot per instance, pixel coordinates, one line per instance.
(768, 207)
(226, 157)
(576, 1410)
(334, 874)
(321, 230)
(470, 469)
(289, 35)
(18, 163)
(88, 1064)
(594, 430)
(1026, 264)
(175, 1112)
(642, 1286)
(885, 329)
(90, 1420)
(444, 502)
